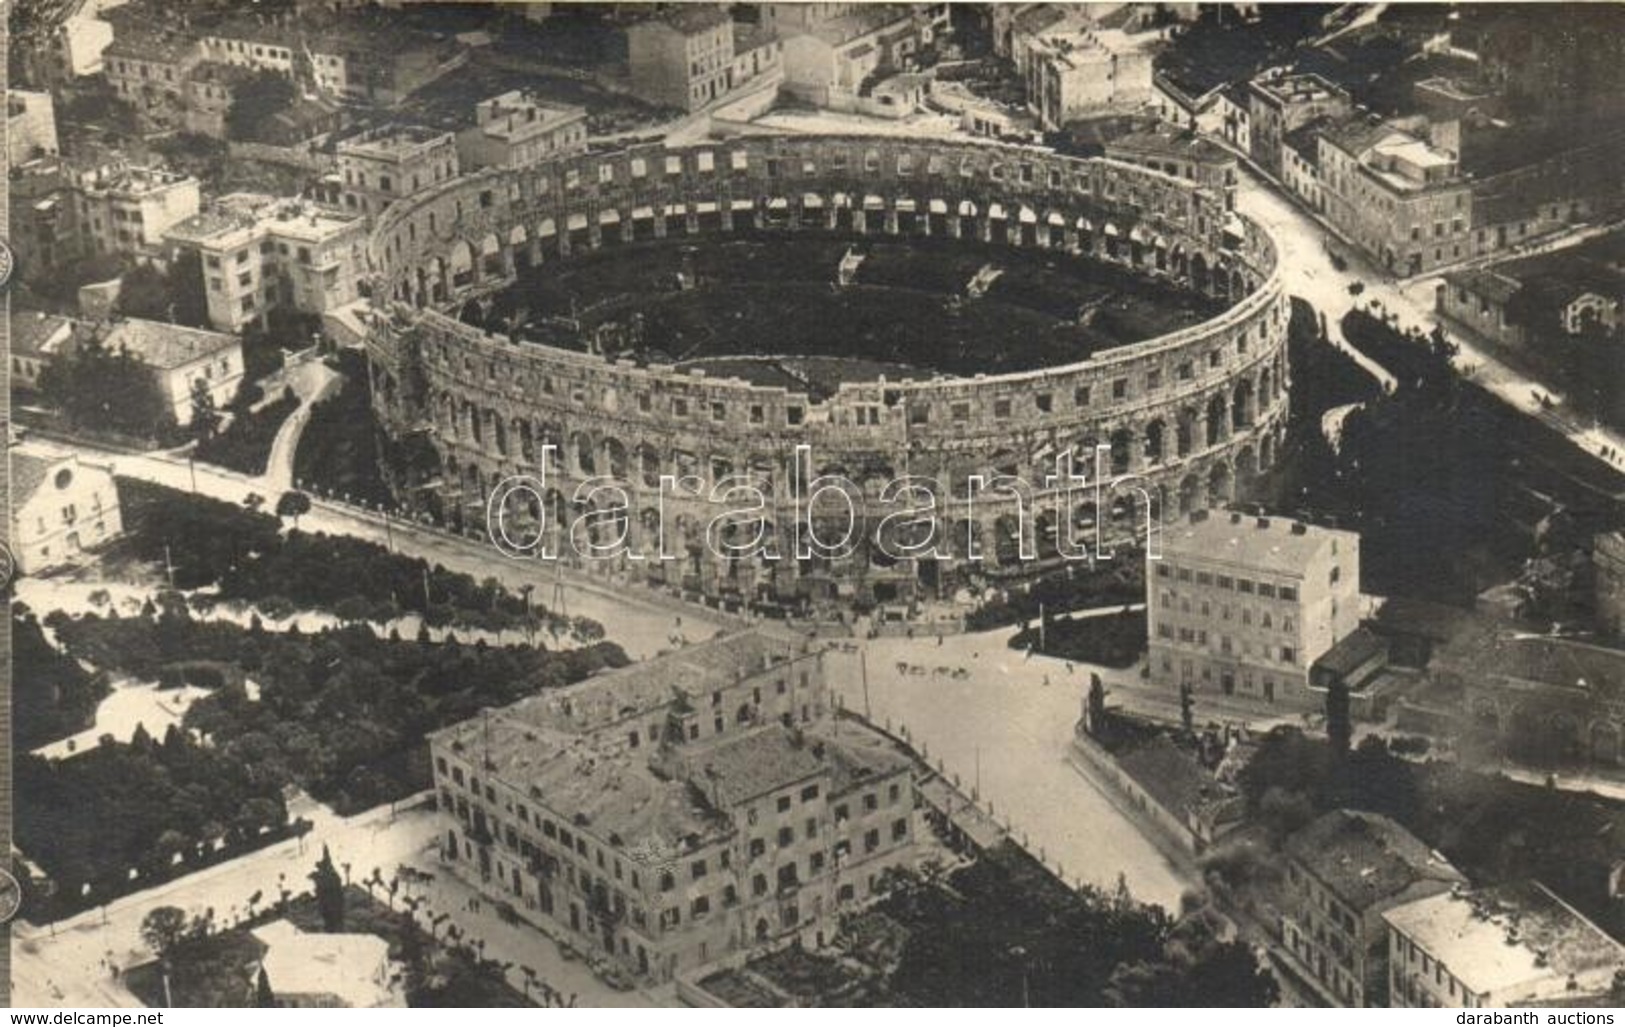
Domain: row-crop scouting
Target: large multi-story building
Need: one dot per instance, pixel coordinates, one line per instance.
(252, 44)
(1244, 606)
(44, 216)
(836, 62)
(1073, 67)
(370, 61)
(210, 90)
(386, 164)
(1513, 945)
(1398, 194)
(178, 358)
(61, 508)
(1344, 870)
(681, 57)
(30, 126)
(516, 129)
(128, 209)
(674, 812)
(1279, 103)
(259, 253)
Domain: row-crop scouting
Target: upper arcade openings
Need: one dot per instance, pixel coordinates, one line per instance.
(831, 516)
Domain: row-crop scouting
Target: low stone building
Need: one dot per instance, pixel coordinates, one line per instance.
(177, 357)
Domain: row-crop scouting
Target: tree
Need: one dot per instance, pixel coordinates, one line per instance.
(144, 292)
(329, 892)
(254, 102)
(293, 504)
(1339, 724)
(264, 998)
(102, 390)
(205, 416)
(163, 928)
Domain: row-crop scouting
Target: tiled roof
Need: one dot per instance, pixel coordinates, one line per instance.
(1366, 858)
(32, 329)
(161, 345)
(27, 474)
(739, 769)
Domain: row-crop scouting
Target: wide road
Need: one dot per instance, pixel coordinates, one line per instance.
(1002, 730)
(631, 617)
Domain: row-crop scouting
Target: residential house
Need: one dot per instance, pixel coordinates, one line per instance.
(1279, 103)
(1245, 606)
(62, 508)
(1183, 154)
(178, 357)
(37, 338)
(1344, 871)
(517, 129)
(127, 209)
(1073, 68)
(148, 71)
(1479, 300)
(259, 253)
(382, 165)
(839, 64)
(30, 126)
(681, 57)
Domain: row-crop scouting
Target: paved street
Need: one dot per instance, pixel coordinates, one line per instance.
(1307, 271)
(1003, 731)
(640, 624)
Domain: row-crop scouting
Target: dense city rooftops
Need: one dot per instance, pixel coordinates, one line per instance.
(1367, 858)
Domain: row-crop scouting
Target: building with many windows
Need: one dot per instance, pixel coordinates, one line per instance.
(1513, 945)
(178, 358)
(385, 164)
(1244, 605)
(61, 507)
(516, 129)
(1073, 67)
(668, 814)
(1344, 871)
(259, 253)
(1278, 103)
(682, 56)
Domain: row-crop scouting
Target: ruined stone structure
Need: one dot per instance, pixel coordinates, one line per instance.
(1189, 417)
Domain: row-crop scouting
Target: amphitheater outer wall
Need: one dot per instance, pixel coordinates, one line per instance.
(1189, 417)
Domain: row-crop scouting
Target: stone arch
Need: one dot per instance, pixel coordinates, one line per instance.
(1241, 406)
(1155, 441)
(1007, 531)
(581, 449)
(1246, 467)
(1185, 425)
(460, 260)
(1216, 422)
(1191, 497)
(1199, 274)
(1122, 446)
(649, 469)
(491, 256)
(1221, 484)
(615, 459)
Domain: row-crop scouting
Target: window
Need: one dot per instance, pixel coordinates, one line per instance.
(1001, 408)
(899, 829)
(696, 869)
(667, 881)
(1080, 396)
(1335, 576)
(871, 840)
(700, 906)
(1120, 389)
(809, 793)
(1288, 654)
(787, 837)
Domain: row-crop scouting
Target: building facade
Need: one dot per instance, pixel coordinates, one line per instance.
(61, 509)
(516, 129)
(840, 63)
(259, 254)
(1072, 68)
(667, 815)
(148, 71)
(1512, 945)
(128, 209)
(1244, 606)
(30, 126)
(178, 358)
(1279, 103)
(1398, 195)
(386, 164)
(1344, 871)
(1183, 154)
(681, 57)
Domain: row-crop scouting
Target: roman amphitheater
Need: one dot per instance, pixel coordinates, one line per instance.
(899, 307)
